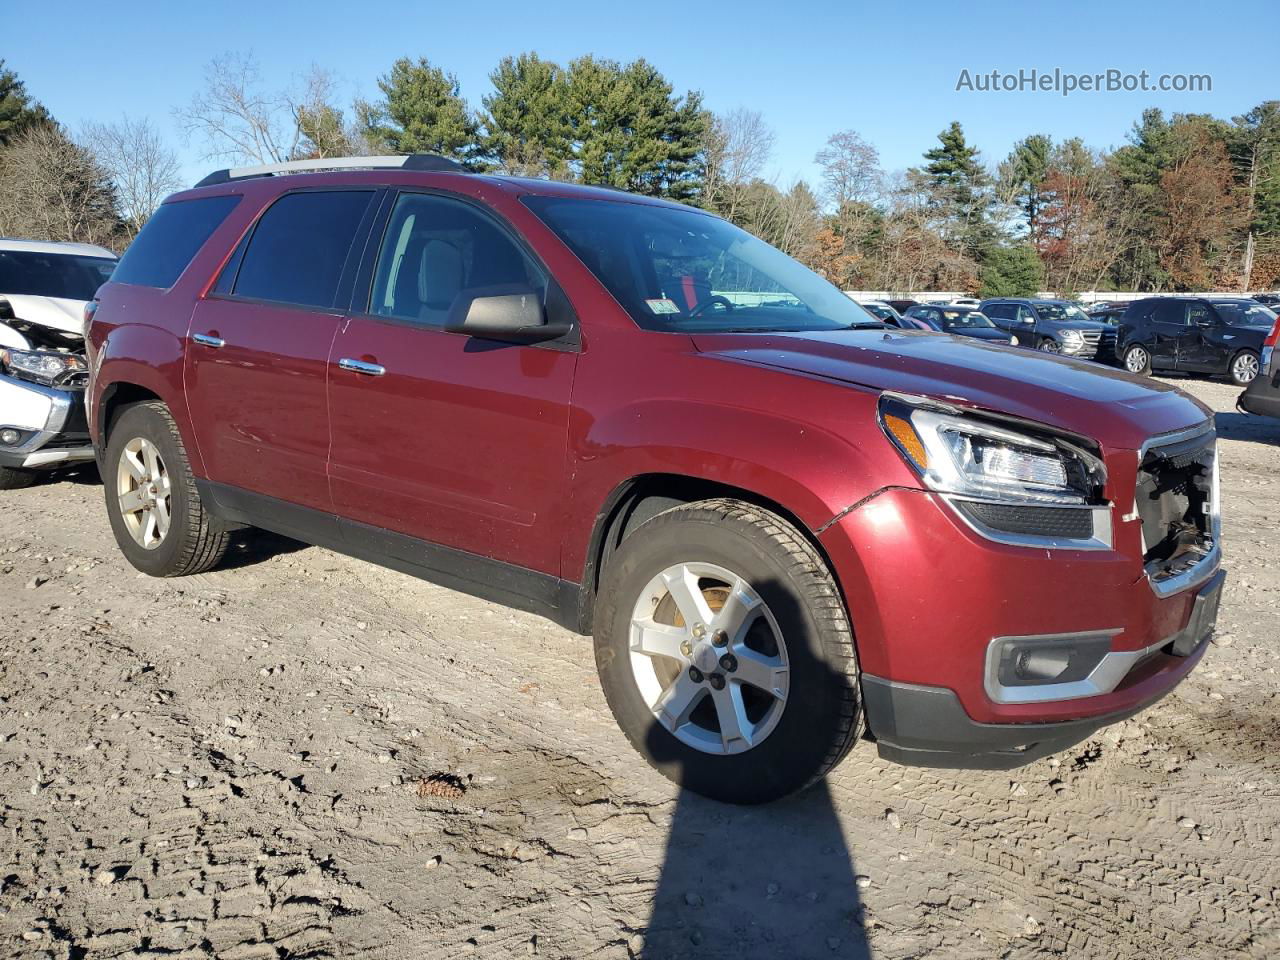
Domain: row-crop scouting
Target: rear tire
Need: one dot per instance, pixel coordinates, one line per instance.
(155, 510)
(789, 684)
(1244, 368)
(11, 479)
(1137, 360)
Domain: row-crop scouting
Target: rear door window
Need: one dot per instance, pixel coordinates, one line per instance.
(1170, 312)
(170, 239)
(300, 246)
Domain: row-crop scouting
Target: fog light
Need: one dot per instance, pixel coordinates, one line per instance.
(10, 437)
(1025, 661)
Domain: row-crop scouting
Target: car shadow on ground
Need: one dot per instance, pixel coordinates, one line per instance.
(1248, 427)
(250, 546)
(774, 881)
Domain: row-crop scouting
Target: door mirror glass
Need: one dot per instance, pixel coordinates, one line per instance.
(502, 313)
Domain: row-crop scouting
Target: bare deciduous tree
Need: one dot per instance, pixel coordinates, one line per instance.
(143, 170)
(851, 171)
(52, 189)
(235, 118)
(738, 145)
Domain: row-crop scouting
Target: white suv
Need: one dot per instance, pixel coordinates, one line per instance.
(43, 291)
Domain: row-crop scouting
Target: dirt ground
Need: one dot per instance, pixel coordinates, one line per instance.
(233, 765)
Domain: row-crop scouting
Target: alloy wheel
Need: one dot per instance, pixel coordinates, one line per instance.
(1135, 361)
(1050, 346)
(145, 493)
(708, 658)
(1244, 368)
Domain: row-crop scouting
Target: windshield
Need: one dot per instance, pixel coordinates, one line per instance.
(679, 270)
(1246, 314)
(26, 272)
(1061, 311)
(876, 310)
(965, 320)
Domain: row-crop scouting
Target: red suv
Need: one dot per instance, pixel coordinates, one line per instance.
(787, 525)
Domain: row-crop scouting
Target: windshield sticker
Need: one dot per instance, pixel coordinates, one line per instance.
(663, 305)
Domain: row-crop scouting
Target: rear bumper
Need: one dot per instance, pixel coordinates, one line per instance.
(1262, 396)
(51, 423)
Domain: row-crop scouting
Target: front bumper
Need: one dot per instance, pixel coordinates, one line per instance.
(926, 726)
(51, 422)
(928, 597)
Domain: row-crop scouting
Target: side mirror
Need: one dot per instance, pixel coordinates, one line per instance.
(503, 313)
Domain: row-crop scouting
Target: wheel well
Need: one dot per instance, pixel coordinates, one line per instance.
(115, 398)
(643, 498)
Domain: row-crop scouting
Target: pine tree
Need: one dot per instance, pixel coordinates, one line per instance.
(423, 112)
(18, 112)
(1022, 177)
(961, 192)
(526, 121)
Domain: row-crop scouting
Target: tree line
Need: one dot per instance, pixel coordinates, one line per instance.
(1189, 201)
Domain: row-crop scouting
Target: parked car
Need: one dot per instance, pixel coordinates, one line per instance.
(1271, 300)
(961, 321)
(902, 306)
(882, 311)
(1262, 396)
(1108, 313)
(43, 291)
(972, 302)
(636, 419)
(1221, 335)
(1054, 326)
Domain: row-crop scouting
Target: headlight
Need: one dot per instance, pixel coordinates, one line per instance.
(48, 368)
(960, 454)
(1075, 336)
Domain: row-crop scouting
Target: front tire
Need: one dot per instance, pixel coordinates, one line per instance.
(1049, 345)
(725, 652)
(1137, 360)
(1244, 368)
(11, 479)
(156, 515)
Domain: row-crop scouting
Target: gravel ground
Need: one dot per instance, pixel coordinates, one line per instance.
(301, 755)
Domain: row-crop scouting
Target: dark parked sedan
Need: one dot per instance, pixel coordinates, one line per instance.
(1222, 335)
(961, 321)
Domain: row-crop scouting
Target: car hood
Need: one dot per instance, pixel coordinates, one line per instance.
(1110, 406)
(57, 313)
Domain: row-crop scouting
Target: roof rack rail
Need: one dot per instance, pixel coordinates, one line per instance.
(411, 161)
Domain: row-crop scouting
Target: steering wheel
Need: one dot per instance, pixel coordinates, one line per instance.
(713, 301)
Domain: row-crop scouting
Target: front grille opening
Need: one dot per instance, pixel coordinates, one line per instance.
(1175, 504)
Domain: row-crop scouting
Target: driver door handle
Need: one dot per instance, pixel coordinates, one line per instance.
(359, 366)
(205, 340)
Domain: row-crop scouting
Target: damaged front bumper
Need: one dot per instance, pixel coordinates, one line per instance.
(46, 424)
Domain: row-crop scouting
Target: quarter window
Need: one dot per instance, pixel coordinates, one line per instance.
(435, 250)
(300, 246)
(170, 239)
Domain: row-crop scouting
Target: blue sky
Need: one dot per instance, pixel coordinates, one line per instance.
(887, 70)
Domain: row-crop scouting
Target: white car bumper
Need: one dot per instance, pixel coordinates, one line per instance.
(49, 421)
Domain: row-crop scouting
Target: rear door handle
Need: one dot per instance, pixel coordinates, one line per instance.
(359, 366)
(207, 341)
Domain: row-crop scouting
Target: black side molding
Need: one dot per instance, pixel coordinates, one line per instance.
(558, 600)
